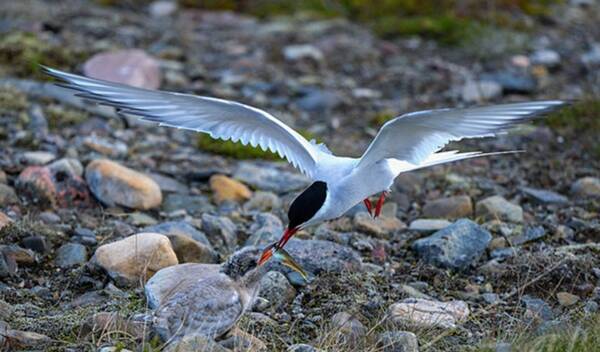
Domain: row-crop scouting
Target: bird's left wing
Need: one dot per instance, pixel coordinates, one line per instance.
(414, 137)
(221, 119)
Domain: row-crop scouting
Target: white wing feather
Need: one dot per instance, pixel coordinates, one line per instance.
(414, 137)
(219, 118)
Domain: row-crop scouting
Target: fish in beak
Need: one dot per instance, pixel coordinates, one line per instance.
(284, 257)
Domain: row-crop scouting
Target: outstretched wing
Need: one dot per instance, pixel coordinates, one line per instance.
(221, 119)
(414, 137)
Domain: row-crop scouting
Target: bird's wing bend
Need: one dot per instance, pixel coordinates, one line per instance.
(414, 137)
(221, 119)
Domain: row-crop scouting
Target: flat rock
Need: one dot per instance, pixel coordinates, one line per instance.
(192, 204)
(449, 208)
(479, 91)
(38, 157)
(456, 246)
(136, 257)
(114, 184)
(131, 67)
(567, 299)
(382, 227)
(528, 235)
(428, 313)
(71, 254)
(227, 189)
(266, 229)
(512, 81)
(181, 228)
(398, 341)
(270, 179)
(544, 196)
(428, 225)
(173, 278)
(496, 207)
(168, 184)
(586, 187)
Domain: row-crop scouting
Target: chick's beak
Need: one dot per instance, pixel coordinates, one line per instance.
(266, 254)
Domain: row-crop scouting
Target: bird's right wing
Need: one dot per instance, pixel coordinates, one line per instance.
(415, 137)
(210, 307)
(221, 119)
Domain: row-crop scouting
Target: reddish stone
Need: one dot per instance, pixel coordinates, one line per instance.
(131, 67)
(53, 187)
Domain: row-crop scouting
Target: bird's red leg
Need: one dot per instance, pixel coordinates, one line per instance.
(379, 204)
(369, 206)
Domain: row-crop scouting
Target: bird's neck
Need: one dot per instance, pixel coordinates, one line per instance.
(252, 278)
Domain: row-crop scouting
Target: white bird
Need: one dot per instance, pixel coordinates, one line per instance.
(408, 142)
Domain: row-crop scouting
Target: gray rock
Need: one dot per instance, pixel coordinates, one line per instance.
(39, 157)
(316, 100)
(586, 187)
(162, 8)
(457, 246)
(490, 298)
(276, 288)
(189, 250)
(192, 204)
(179, 228)
(106, 146)
(268, 178)
(450, 207)
(84, 236)
(528, 235)
(348, 328)
(476, 92)
(221, 231)
(545, 57)
(36, 243)
(428, 225)
(263, 201)
(398, 341)
(503, 253)
(71, 254)
(544, 196)
(512, 82)
(537, 308)
(303, 51)
(496, 207)
(266, 229)
(8, 195)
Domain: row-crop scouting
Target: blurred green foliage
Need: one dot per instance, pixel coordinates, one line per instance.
(583, 116)
(448, 21)
(232, 149)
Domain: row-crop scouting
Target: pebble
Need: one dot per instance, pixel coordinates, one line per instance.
(221, 231)
(162, 8)
(136, 257)
(398, 341)
(566, 299)
(263, 201)
(496, 207)
(303, 51)
(168, 184)
(8, 196)
(428, 225)
(537, 308)
(4, 220)
(544, 196)
(449, 208)
(381, 227)
(276, 288)
(266, 229)
(71, 254)
(479, 91)
(53, 185)
(456, 246)
(227, 189)
(166, 280)
(428, 313)
(545, 57)
(528, 235)
(348, 328)
(179, 228)
(586, 187)
(131, 67)
(37, 157)
(270, 179)
(105, 146)
(189, 250)
(84, 236)
(36, 243)
(513, 82)
(318, 101)
(192, 204)
(49, 217)
(114, 184)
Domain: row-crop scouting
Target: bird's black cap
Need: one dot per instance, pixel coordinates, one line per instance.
(307, 204)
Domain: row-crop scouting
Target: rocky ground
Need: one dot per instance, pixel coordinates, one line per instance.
(485, 254)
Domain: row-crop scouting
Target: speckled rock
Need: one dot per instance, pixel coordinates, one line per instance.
(167, 280)
(221, 231)
(225, 188)
(456, 246)
(276, 288)
(136, 257)
(398, 341)
(132, 67)
(428, 225)
(428, 313)
(266, 229)
(347, 328)
(71, 254)
(496, 207)
(586, 187)
(114, 184)
(449, 208)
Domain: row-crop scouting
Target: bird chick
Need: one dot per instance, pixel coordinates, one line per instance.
(211, 306)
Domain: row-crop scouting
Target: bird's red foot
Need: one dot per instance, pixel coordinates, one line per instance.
(379, 204)
(369, 206)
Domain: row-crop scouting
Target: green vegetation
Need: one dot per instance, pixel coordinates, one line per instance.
(382, 117)
(60, 117)
(583, 116)
(231, 149)
(21, 53)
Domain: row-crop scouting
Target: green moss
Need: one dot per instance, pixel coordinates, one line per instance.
(21, 54)
(231, 149)
(12, 100)
(59, 116)
(583, 116)
(382, 117)
(447, 29)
